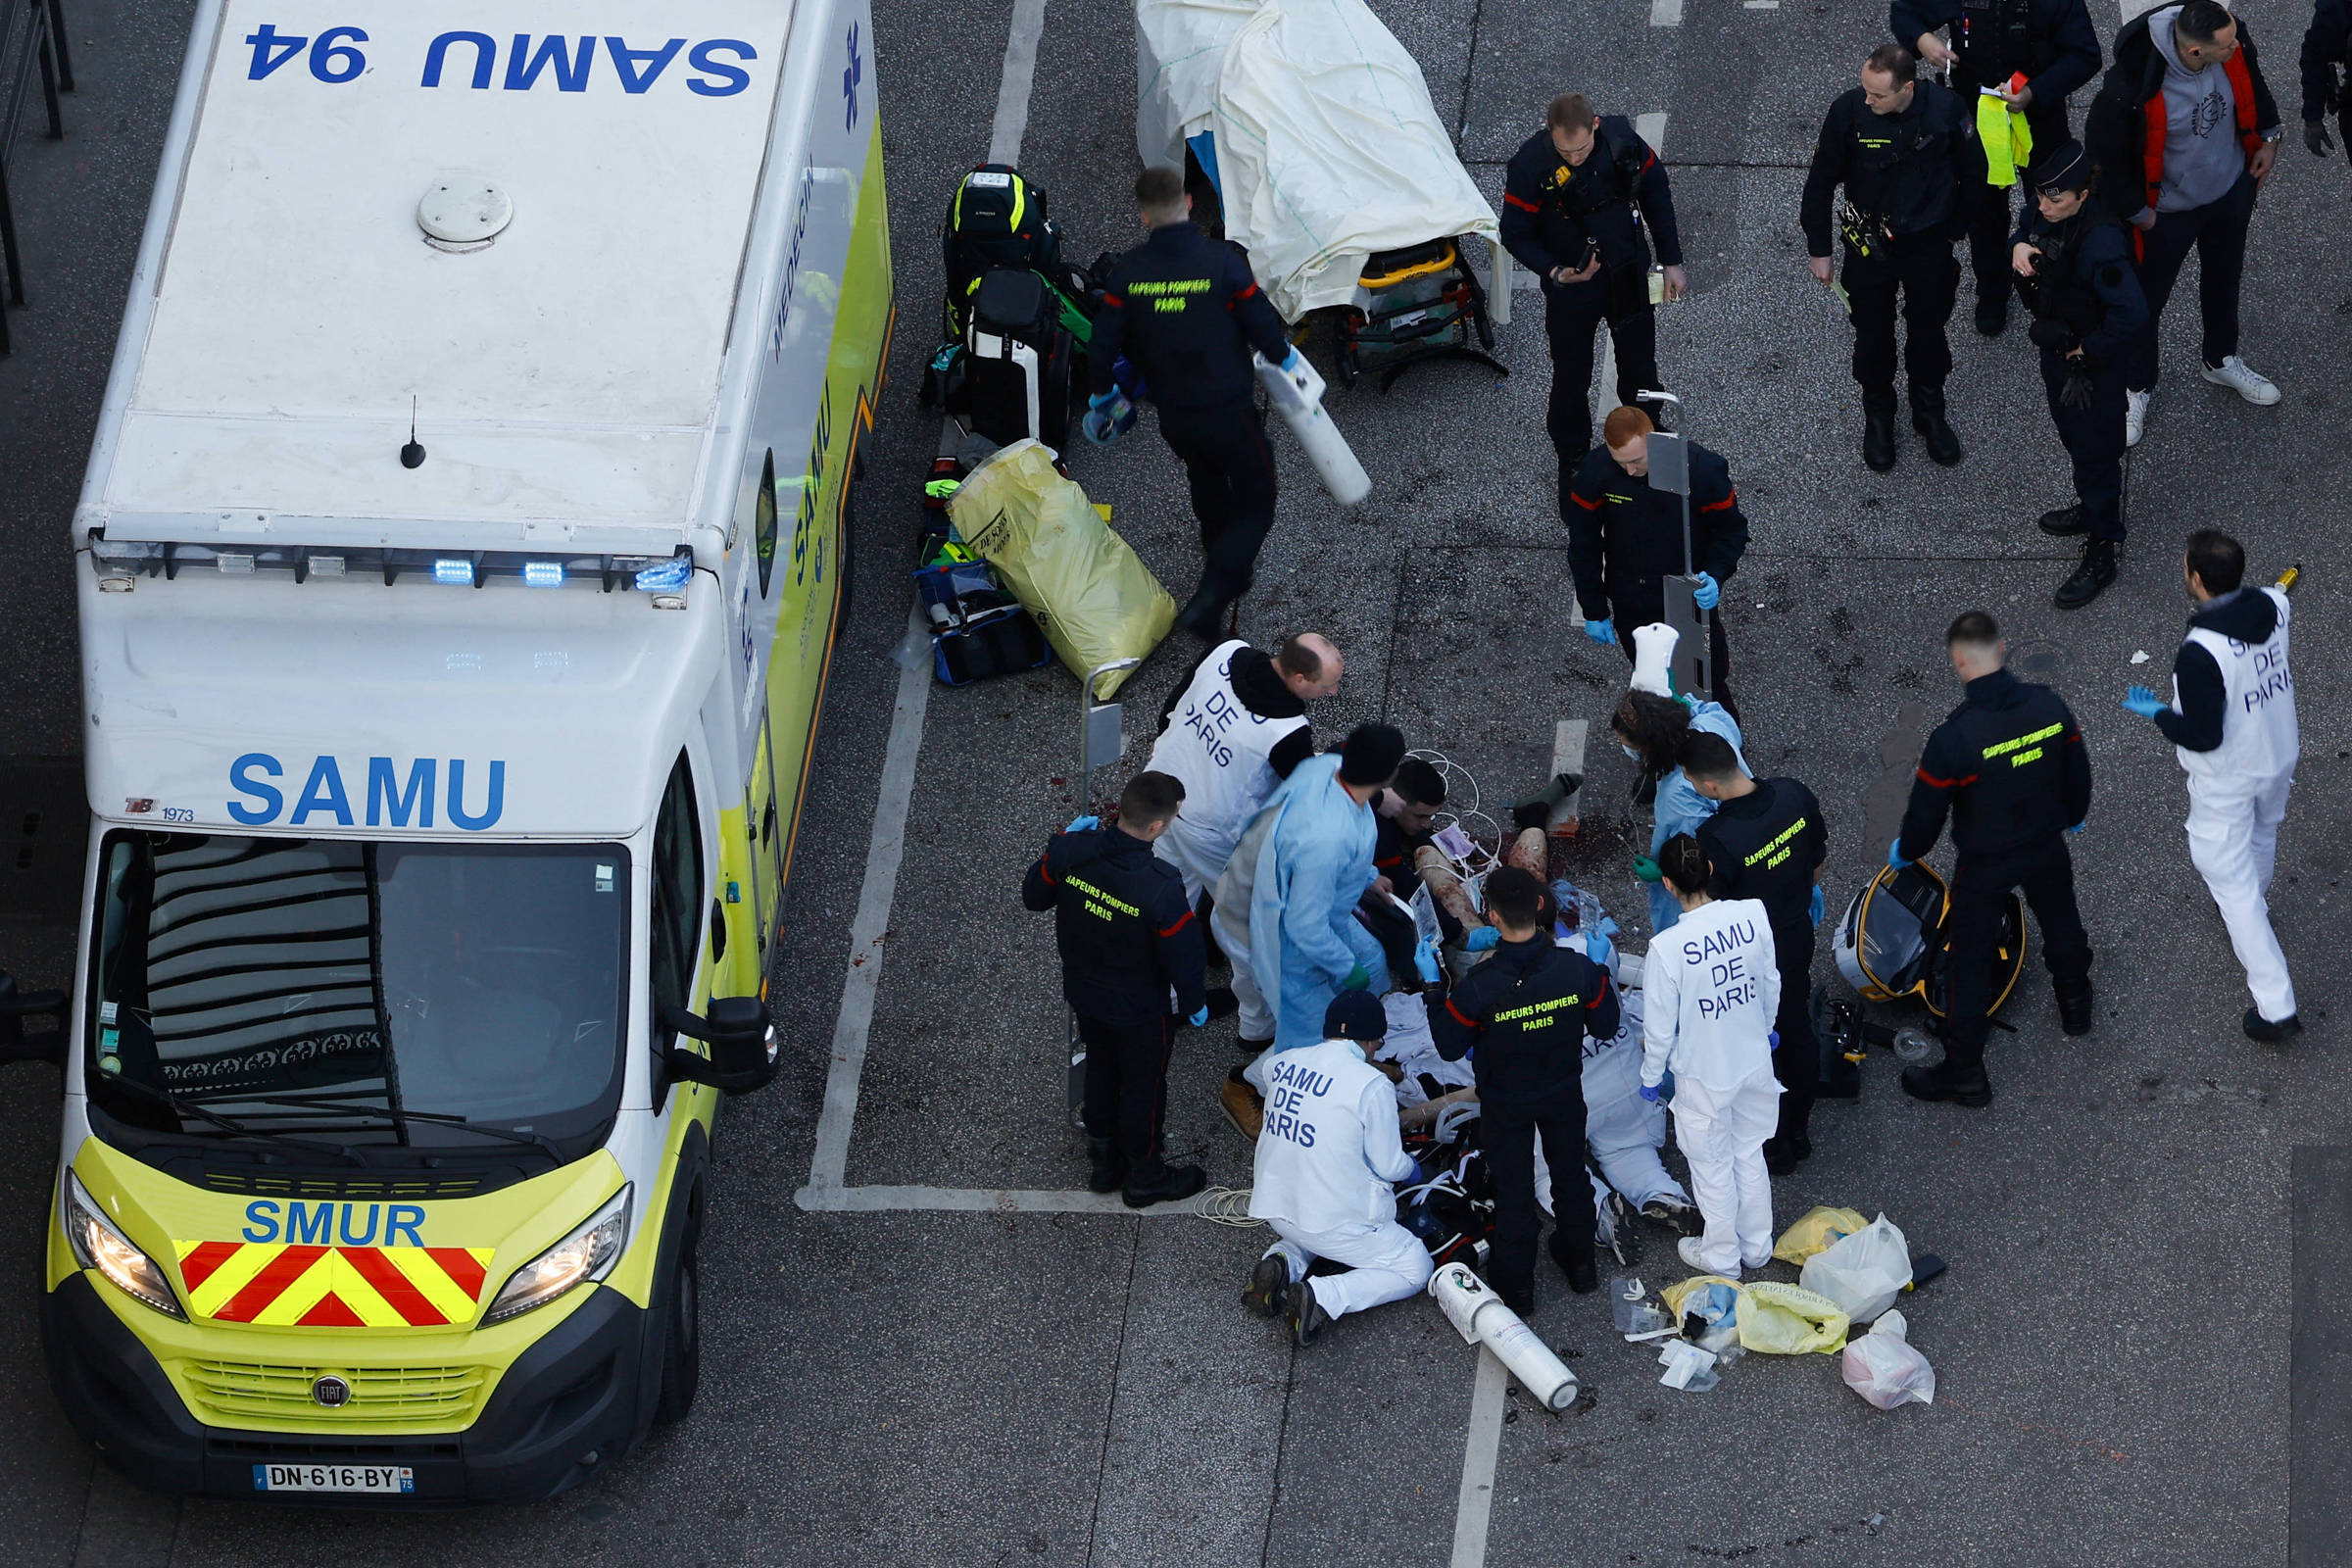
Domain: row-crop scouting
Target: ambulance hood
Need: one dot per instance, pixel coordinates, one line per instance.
(414, 710)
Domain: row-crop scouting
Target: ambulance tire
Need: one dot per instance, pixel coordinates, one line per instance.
(845, 555)
(682, 1327)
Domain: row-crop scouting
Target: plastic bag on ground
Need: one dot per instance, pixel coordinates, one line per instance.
(1097, 602)
(1817, 1230)
(1885, 1369)
(1789, 1320)
(1711, 1296)
(1862, 1272)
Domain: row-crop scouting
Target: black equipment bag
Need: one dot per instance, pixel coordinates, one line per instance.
(996, 219)
(1017, 362)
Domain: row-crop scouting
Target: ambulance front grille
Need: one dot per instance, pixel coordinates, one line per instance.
(231, 1392)
(350, 1188)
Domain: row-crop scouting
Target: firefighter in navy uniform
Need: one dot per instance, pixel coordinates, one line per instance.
(1127, 935)
(2327, 50)
(1907, 154)
(1186, 312)
(2010, 769)
(2053, 43)
(1625, 539)
(1526, 1011)
(1766, 840)
(2073, 265)
(1575, 199)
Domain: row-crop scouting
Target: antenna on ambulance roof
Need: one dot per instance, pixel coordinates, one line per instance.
(412, 456)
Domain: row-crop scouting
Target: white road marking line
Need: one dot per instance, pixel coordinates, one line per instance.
(976, 1200)
(1475, 1503)
(1665, 13)
(887, 845)
(1761, 5)
(1568, 757)
(2133, 8)
(863, 979)
(1013, 90)
(1652, 129)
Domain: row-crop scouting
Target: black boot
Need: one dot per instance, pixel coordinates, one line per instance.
(1992, 311)
(1583, 1277)
(1782, 1153)
(2074, 1010)
(2064, 522)
(1926, 418)
(1878, 438)
(1165, 1186)
(2095, 573)
(1535, 811)
(2270, 1031)
(1203, 615)
(1222, 1003)
(1940, 1082)
(1105, 1168)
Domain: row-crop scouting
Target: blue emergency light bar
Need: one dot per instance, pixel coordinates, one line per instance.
(119, 564)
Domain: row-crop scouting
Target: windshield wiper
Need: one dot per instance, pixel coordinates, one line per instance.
(341, 1102)
(192, 1107)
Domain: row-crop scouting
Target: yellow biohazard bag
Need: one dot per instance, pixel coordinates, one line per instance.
(1096, 601)
(1815, 1233)
(1777, 1319)
(1678, 1296)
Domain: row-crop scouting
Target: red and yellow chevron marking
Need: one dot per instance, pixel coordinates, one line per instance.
(282, 1285)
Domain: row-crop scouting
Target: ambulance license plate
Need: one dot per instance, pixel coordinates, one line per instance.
(334, 1478)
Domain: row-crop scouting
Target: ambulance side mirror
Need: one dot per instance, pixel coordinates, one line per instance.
(49, 1045)
(742, 1045)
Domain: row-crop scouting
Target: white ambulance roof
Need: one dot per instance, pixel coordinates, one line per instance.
(579, 697)
(566, 373)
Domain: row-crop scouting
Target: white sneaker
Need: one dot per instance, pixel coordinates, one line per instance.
(2244, 381)
(2136, 418)
(1688, 1247)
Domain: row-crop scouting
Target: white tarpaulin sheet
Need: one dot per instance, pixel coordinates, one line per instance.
(1328, 150)
(1179, 50)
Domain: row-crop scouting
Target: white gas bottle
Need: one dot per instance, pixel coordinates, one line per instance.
(1299, 394)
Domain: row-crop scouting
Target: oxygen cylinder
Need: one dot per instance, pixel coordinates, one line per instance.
(1478, 1316)
(1299, 394)
(1653, 658)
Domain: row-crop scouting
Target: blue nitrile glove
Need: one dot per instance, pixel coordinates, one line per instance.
(1708, 594)
(2078, 827)
(1597, 947)
(1358, 979)
(1108, 416)
(1482, 939)
(2143, 702)
(1200, 1017)
(1894, 857)
(1773, 1038)
(1291, 361)
(1647, 870)
(1819, 907)
(1420, 1175)
(1083, 825)
(1651, 1093)
(1425, 960)
(1601, 632)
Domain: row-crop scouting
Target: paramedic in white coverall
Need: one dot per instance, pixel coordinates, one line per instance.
(1328, 1160)
(2231, 722)
(1711, 989)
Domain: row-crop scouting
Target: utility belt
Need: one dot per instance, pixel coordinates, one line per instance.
(1863, 233)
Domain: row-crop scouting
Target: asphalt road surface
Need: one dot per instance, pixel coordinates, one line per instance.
(921, 1347)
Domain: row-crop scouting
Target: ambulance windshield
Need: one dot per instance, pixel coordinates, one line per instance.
(441, 996)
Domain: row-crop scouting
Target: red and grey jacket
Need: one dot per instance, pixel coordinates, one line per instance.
(2124, 133)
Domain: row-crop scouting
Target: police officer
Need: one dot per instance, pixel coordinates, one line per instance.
(1576, 198)
(2232, 720)
(1625, 539)
(1766, 840)
(1127, 935)
(1526, 1011)
(2074, 266)
(2009, 767)
(1186, 312)
(2054, 46)
(1907, 154)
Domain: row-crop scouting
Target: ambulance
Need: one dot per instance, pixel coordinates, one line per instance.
(460, 562)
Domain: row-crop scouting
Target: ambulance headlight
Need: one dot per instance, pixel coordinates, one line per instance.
(587, 1254)
(98, 1244)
